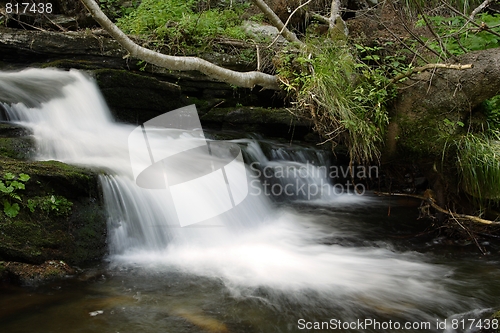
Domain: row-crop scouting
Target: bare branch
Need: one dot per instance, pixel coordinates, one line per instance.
(288, 20)
(429, 26)
(276, 21)
(246, 80)
(479, 8)
(336, 18)
(335, 11)
(427, 67)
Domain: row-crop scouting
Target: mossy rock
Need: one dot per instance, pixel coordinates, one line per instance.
(50, 232)
(16, 141)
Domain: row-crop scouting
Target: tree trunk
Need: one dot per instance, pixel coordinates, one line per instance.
(427, 99)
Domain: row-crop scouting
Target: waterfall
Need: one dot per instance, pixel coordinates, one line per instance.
(255, 245)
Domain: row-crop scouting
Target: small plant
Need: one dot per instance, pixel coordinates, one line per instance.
(178, 25)
(57, 205)
(478, 162)
(492, 111)
(459, 35)
(344, 96)
(9, 187)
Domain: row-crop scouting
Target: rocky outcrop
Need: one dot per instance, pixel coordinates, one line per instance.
(136, 93)
(61, 216)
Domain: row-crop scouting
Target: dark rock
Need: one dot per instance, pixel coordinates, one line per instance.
(270, 122)
(18, 46)
(137, 98)
(16, 141)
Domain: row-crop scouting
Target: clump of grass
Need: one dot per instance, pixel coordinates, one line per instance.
(478, 162)
(344, 97)
(178, 23)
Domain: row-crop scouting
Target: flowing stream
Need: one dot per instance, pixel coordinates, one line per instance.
(268, 265)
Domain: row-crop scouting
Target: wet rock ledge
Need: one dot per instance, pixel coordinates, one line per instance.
(61, 218)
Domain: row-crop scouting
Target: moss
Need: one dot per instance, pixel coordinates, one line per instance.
(424, 134)
(44, 234)
(89, 233)
(20, 148)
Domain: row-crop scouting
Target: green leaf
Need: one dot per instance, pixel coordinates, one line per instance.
(3, 188)
(17, 185)
(31, 205)
(10, 210)
(15, 196)
(24, 177)
(9, 176)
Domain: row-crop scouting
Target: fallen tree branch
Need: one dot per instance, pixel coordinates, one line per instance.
(432, 202)
(245, 80)
(427, 67)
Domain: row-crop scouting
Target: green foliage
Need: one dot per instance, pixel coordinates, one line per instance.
(463, 5)
(345, 97)
(460, 36)
(57, 205)
(117, 8)
(9, 187)
(387, 64)
(492, 111)
(478, 162)
(176, 23)
(31, 204)
(452, 125)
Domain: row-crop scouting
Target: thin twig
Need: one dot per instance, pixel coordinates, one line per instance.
(404, 44)
(470, 234)
(54, 23)
(429, 26)
(441, 210)
(417, 38)
(430, 66)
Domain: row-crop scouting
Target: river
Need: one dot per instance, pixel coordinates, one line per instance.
(272, 263)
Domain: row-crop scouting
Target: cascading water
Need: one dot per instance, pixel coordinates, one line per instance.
(283, 257)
